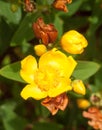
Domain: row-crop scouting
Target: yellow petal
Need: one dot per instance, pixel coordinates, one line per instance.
(33, 91)
(28, 68)
(70, 65)
(28, 77)
(59, 61)
(62, 87)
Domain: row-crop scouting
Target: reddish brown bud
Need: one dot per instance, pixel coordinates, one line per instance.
(46, 32)
(61, 4)
(56, 103)
(29, 6)
(95, 116)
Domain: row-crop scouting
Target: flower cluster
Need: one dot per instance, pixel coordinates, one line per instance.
(49, 77)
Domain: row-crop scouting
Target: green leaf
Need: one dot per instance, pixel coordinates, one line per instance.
(11, 120)
(72, 8)
(98, 78)
(11, 71)
(6, 12)
(59, 25)
(85, 69)
(25, 31)
(47, 126)
(4, 39)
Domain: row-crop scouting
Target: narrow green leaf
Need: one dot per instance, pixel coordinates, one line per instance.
(25, 31)
(59, 25)
(4, 39)
(85, 69)
(98, 78)
(74, 6)
(11, 71)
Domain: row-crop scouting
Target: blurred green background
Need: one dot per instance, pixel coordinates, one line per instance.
(17, 41)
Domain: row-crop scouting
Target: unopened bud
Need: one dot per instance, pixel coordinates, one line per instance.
(40, 49)
(78, 87)
(83, 103)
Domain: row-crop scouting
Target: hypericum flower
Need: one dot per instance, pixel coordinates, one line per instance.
(56, 103)
(46, 32)
(61, 4)
(73, 42)
(40, 49)
(95, 116)
(50, 77)
(78, 87)
(83, 103)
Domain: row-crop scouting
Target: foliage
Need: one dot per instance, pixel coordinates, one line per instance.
(17, 41)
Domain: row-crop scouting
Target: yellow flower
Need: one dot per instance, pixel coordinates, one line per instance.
(83, 103)
(73, 42)
(50, 77)
(40, 49)
(78, 87)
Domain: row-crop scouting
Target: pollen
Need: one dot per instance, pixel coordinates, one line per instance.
(47, 79)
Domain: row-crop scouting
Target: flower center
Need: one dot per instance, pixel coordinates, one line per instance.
(47, 79)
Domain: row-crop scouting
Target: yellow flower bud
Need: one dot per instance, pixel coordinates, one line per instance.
(40, 49)
(73, 42)
(78, 87)
(14, 7)
(83, 103)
